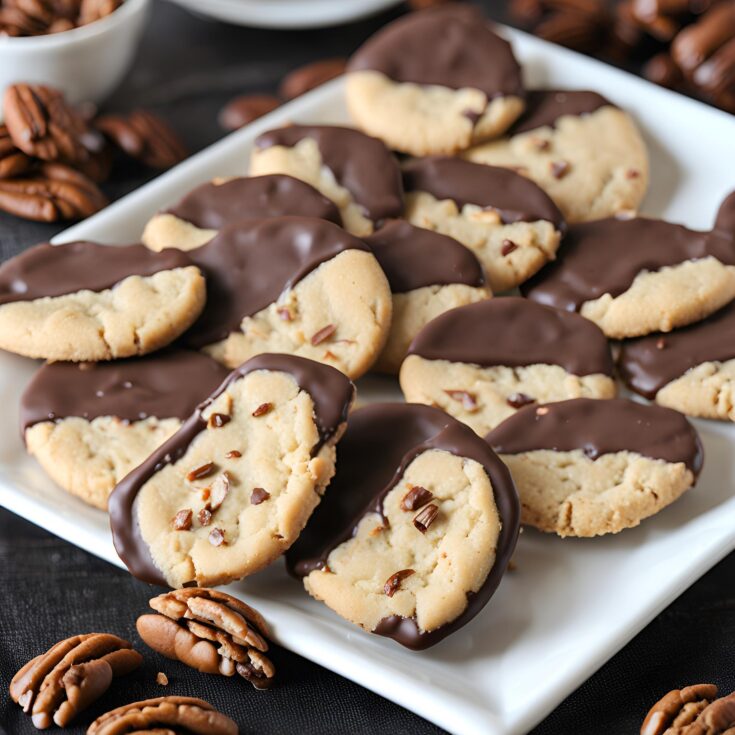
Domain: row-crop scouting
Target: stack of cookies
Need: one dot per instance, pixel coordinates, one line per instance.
(335, 257)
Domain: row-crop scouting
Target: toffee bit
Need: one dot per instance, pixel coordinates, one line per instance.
(394, 581)
(182, 520)
(202, 471)
(161, 679)
(204, 516)
(216, 537)
(519, 400)
(323, 334)
(218, 491)
(218, 420)
(425, 517)
(559, 169)
(468, 400)
(416, 498)
(205, 494)
(263, 409)
(259, 495)
(508, 247)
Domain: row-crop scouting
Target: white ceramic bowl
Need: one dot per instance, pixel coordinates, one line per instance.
(86, 63)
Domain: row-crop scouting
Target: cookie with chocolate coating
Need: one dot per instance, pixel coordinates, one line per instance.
(435, 82)
(296, 285)
(232, 489)
(417, 531)
(84, 302)
(196, 218)
(482, 362)
(89, 425)
(358, 173)
(583, 151)
(429, 274)
(587, 468)
(510, 224)
(636, 276)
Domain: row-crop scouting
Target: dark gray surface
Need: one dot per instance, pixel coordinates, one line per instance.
(187, 68)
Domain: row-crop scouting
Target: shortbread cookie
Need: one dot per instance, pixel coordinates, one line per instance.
(89, 425)
(481, 363)
(89, 302)
(587, 468)
(435, 82)
(584, 152)
(197, 217)
(416, 532)
(507, 220)
(690, 369)
(234, 487)
(636, 276)
(357, 172)
(292, 284)
(429, 274)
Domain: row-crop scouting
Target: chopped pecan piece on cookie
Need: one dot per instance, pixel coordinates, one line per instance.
(210, 631)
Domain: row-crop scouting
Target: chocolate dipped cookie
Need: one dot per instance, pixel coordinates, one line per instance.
(87, 302)
(417, 530)
(358, 173)
(429, 273)
(587, 468)
(583, 151)
(88, 425)
(297, 285)
(197, 217)
(636, 276)
(435, 82)
(481, 363)
(233, 488)
(505, 219)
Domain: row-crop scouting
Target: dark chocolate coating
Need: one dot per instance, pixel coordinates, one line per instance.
(412, 257)
(332, 394)
(248, 265)
(381, 440)
(361, 164)
(601, 427)
(606, 255)
(515, 332)
(213, 206)
(516, 198)
(166, 384)
(452, 47)
(649, 363)
(57, 270)
(545, 106)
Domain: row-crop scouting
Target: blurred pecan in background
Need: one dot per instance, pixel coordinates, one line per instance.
(308, 77)
(242, 110)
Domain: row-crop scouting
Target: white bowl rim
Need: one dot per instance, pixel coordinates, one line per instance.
(96, 28)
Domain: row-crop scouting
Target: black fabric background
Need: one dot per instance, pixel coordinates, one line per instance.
(188, 67)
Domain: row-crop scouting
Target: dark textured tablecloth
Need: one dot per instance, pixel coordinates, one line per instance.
(187, 68)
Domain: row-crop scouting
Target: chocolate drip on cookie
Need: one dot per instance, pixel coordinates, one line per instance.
(330, 390)
(649, 363)
(453, 47)
(601, 427)
(248, 265)
(412, 257)
(361, 164)
(514, 197)
(545, 106)
(165, 385)
(57, 270)
(212, 206)
(605, 256)
(515, 332)
(380, 442)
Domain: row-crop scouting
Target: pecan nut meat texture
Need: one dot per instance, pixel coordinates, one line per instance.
(693, 710)
(211, 632)
(55, 686)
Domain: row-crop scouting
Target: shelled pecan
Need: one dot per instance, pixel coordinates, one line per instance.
(12, 160)
(693, 710)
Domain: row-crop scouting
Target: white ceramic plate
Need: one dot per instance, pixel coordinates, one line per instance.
(287, 13)
(570, 604)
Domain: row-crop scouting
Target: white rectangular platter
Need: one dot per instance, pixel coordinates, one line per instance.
(570, 604)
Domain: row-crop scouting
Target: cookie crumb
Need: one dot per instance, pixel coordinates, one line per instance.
(161, 679)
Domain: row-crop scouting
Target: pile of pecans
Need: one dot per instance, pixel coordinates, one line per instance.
(687, 45)
(41, 17)
(53, 156)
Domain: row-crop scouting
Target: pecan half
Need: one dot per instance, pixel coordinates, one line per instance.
(308, 77)
(677, 709)
(164, 715)
(242, 110)
(55, 686)
(12, 160)
(210, 631)
(92, 10)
